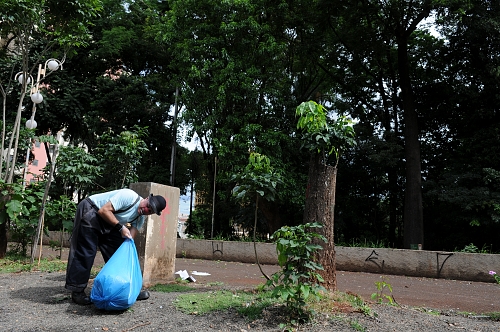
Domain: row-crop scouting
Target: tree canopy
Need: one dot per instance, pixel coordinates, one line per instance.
(419, 78)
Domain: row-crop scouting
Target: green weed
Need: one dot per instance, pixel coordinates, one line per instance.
(380, 296)
(493, 315)
(171, 288)
(473, 249)
(356, 302)
(356, 325)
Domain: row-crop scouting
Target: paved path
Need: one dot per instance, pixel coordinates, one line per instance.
(463, 296)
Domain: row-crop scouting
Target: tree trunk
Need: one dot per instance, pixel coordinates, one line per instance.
(3, 239)
(412, 212)
(272, 214)
(320, 205)
(3, 226)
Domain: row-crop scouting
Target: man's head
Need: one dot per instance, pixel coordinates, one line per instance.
(152, 204)
(156, 203)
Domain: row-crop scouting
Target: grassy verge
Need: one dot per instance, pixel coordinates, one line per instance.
(15, 263)
(251, 304)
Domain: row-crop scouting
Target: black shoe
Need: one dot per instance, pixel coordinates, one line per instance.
(143, 295)
(80, 298)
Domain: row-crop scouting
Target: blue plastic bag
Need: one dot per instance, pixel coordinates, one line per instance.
(119, 282)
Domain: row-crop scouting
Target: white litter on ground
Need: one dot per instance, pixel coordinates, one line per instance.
(185, 276)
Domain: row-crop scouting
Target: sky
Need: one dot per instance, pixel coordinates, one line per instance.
(191, 143)
(184, 201)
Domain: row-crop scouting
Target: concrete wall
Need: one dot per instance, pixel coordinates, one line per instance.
(227, 251)
(416, 263)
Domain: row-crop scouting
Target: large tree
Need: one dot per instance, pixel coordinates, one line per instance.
(374, 57)
(235, 63)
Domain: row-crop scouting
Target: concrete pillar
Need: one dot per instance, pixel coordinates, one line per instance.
(156, 242)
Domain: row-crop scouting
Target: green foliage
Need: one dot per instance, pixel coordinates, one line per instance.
(199, 222)
(380, 296)
(77, 169)
(59, 213)
(242, 70)
(357, 326)
(473, 249)
(258, 178)
(298, 279)
(495, 276)
(494, 315)
(22, 209)
(65, 22)
(120, 156)
(356, 302)
(321, 136)
(240, 100)
(362, 243)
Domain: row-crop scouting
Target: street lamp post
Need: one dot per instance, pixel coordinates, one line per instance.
(36, 97)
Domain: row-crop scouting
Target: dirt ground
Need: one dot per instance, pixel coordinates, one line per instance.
(441, 294)
(37, 301)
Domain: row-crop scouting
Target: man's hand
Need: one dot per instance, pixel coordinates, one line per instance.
(125, 232)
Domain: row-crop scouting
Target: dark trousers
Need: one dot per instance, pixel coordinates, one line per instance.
(90, 232)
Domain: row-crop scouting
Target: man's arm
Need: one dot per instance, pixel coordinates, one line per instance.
(107, 213)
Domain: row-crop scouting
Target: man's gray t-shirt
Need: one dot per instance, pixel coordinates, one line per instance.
(121, 199)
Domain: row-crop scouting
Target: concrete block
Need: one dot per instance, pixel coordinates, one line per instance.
(156, 242)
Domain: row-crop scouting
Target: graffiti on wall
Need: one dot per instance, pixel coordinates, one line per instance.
(373, 258)
(441, 259)
(440, 266)
(217, 248)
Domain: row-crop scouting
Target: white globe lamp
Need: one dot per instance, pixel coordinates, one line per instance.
(53, 65)
(37, 98)
(21, 79)
(31, 124)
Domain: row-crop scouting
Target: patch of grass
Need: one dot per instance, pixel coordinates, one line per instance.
(14, 263)
(340, 303)
(247, 303)
(493, 315)
(95, 271)
(357, 302)
(433, 312)
(356, 325)
(363, 243)
(253, 310)
(171, 288)
(252, 303)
